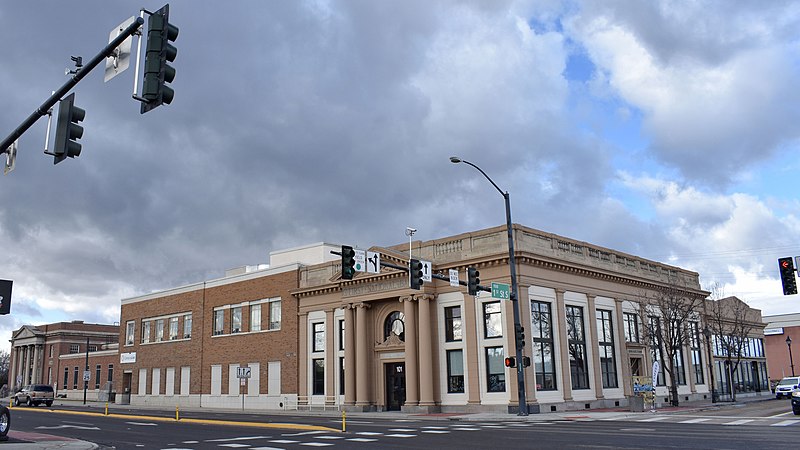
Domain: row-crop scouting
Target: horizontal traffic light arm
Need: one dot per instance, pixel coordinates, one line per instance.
(50, 102)
(433, 275)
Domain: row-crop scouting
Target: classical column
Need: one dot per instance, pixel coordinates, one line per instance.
(302, 360)
(566, 373)
(37, 368)
(594, 346)
(688, 368)
(425, 351)
(330, 359)
(362, 356)
(624, 358)
(412, 366)
(27, 368)
(349, 356)
(12, 368)
(470, 330)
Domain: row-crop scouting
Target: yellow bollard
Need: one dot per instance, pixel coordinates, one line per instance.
(344, 422)
(177, 416)
(106, 408)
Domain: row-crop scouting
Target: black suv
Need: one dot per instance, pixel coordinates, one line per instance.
(35, 394)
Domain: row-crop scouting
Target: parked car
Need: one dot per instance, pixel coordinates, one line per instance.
(35, 394)
(796, 402)
(786, 386)
(5, 422)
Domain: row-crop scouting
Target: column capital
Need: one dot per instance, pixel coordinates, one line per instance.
(560, 291)
(407, 298)
(425, 297)
(361, 305)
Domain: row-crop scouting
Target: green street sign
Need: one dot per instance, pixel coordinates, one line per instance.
(501, 291)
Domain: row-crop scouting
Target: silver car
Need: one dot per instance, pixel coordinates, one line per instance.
(35, 394)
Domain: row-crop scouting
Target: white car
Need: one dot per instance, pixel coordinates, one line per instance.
(786, 386)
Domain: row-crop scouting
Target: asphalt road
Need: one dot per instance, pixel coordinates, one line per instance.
(208, 432)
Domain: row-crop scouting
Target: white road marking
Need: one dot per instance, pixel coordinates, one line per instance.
(399, 435)
(695, 420)
(402, 430)
(361, 440)
(785, 423)
(240, 438)
(436, 431)
(738, 422)
(369, 433)
(330, 437)
(232, 445)
(284, 441)
(316, 444)
(654, 419)
(58, 427)
(143, 424)
(304, 433)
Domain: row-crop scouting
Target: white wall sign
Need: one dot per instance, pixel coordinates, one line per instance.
(127, 358)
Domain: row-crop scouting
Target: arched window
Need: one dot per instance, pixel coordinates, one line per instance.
(395, 324)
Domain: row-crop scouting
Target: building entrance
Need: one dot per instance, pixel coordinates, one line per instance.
(395, 386)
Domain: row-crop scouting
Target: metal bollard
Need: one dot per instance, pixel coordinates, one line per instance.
(177, 415)
(344, 422)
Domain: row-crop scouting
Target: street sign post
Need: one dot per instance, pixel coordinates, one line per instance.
(427, 271)
(501, 291)
(454, 277)
(120, 58)
(373, 262)
(361, 261)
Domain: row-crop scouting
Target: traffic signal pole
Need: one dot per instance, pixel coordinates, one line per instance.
(78, 76)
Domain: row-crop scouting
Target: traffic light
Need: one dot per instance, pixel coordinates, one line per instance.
(67, 130)
(519, 334)
(415, 274)
(472, 280)
(348, 262)
(787, 276)
(526, 361)
(157, 73)
(511, 361)
(5, 296)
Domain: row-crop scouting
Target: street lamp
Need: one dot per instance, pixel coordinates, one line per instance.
(523, 405)
(791, 362)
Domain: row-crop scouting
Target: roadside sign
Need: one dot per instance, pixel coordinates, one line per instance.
(501, 291)
(11, 158)
(361, 260)
(86, 375)
(427, 271)
(454, 277)
(120, 59)
(243, 372)
(373, 262)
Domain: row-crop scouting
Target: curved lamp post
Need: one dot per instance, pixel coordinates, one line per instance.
(523, 405)
(789, 344)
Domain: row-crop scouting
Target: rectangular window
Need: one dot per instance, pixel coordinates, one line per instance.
(75, 379)
(275, 315)
(631, 327)
(187, 326)
(159, 330)
(680, 374)
(173, 328)
(492, 320)
(319, 337)
(145, 331)
(452, 323)
(541, 331)
(341, 375)
(697, 360)
(97, 371)
(219, 321)
(130, 326)
(110, 372)
(495, 370)
(341, 335)
(605, 339)
(318, 377)
(236, 319)
(455, 372)
(576, 339)
(255, 317)
(74, 348)
(655, 344)
(92, 348)
(66, 377)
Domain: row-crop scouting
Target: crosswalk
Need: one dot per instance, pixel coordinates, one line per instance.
(406, 431)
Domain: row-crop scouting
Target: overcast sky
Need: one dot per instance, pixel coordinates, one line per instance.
(669, 130)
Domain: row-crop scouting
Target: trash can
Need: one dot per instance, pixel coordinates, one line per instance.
(636, 403)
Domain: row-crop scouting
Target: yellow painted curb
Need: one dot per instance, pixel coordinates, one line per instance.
(288, 426)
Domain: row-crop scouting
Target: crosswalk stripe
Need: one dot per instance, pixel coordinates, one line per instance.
(785, 423)
(738, 422)
(654, 419)
(695, 420)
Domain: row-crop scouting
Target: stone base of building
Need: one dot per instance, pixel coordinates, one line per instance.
(533, 408)
(359, 408)
(421, 409)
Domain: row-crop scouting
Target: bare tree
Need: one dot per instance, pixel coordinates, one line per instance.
(731, 322)
(5, 359)
(665, 314)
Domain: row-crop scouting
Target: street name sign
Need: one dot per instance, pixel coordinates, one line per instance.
(501, 291)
